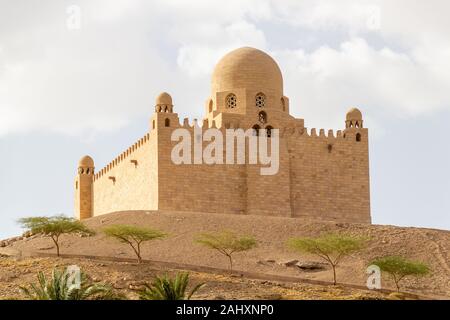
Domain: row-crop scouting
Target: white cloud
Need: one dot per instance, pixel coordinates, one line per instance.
(103, 75)
(334, 54)
(107, 10)
(70, 82)
(350, 15)
(199, 59)
(384, 82)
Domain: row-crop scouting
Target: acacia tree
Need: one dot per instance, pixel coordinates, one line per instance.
(54, 227)
(133, 236)
(227, 243)
(330, 247)
(399, 268)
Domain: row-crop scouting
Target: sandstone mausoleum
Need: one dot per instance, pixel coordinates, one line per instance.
(322, 175)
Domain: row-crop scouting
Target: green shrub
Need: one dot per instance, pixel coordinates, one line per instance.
(330, 247)
(54, 227)
(133, 236)
(399, 268)
(165, 288)
(60, 287)
(227, 243)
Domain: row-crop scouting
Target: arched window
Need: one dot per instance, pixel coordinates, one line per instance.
(283, 104)
(210, 106)
(153, 124)
(262, 117)
(260, 100)
(231, 101)
(358, 137)
(256, 128)
(269, 131)
(167, 122)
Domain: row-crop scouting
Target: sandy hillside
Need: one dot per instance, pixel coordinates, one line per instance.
(128, 279)
(428, 245)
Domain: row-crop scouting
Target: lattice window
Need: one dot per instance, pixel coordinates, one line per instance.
(260, 100)
(231, 101)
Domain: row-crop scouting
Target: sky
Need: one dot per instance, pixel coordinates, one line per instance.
(80, 77)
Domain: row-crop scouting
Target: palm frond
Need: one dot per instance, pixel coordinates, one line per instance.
(59, 287)
(165, 288)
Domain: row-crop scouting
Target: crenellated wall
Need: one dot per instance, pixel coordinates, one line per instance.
(330, 174)
(130, 181)
(198, 187)
(322, 175)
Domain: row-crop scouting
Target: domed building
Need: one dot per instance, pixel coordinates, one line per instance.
(317, 174)
(247, 91)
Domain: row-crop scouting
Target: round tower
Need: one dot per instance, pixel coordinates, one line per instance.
(84, 188)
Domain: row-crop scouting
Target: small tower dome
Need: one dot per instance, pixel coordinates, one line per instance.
(354, 114)
(354, 119)
(86, 162)
(86, 165)
(164, 103)
(164, 98)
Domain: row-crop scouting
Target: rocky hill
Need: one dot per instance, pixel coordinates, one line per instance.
(270, 258)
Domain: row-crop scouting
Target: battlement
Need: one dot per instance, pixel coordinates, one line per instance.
(319, 173)
(285, 132)
(122, 157)
(303, 132)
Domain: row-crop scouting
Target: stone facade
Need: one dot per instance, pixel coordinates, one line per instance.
(321, 175)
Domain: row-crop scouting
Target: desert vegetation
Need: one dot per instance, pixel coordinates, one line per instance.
(54, 227)
(399, 268)
(330, 247)
(227, 243)
(66, 285)
(133, 236)
(62, 285)
(166, 288)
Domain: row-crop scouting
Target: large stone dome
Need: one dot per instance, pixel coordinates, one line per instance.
(247, 68)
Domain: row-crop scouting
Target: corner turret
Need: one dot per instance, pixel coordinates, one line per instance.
(354, 119)
(84, 188)
(164, 115)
